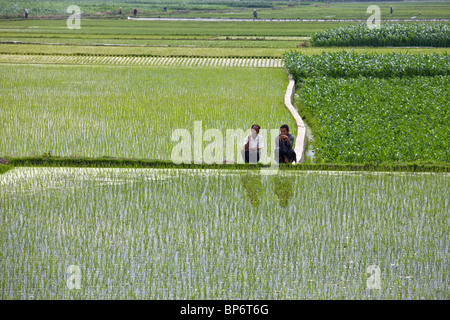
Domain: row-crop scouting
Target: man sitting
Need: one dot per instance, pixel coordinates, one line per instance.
(284, 143)
(252, 146)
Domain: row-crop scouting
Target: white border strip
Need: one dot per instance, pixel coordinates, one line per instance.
(300, 142)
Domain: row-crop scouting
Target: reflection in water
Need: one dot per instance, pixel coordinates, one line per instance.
(253, 186)
(280, 185)
(283, 190)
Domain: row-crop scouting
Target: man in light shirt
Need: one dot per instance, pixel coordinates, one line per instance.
(252, 146)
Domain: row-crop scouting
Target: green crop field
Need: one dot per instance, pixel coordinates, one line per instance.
(389, 34)
(130, 111)
(129, 29)
(95, 204)
(379, 108)
(199, 38)
(380, 120)
(350, 64)
(162, 34)
(225, 235)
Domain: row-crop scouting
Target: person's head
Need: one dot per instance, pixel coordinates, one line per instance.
(284, 129)
(256, 128)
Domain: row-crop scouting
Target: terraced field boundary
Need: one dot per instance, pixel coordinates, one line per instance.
(84, 162)
(183, 61)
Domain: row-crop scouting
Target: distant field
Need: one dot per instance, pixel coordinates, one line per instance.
(138, 29)
(165, 34)
(162, 37)
(230, 9)
(192, 51)
(184, 34)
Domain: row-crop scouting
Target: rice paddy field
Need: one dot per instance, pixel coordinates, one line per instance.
(112, 94)
(181, 38)
(131, 112)
(209, 234)
(124, 29)
(222, 36)
(164, 34)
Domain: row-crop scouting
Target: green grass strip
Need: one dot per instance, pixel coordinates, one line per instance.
(4, 168)
(85, 162)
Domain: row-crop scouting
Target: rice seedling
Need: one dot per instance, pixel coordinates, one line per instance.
(138, 61)
(194, 234)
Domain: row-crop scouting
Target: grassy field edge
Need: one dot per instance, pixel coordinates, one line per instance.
(142, 163)
(5, 167)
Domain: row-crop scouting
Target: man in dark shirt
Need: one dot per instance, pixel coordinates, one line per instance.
(284, 143)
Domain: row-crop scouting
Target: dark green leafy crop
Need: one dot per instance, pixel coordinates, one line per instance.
(389, 34)
(381, 120)
(350, 65)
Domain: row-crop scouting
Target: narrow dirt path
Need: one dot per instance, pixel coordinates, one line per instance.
(300, 141)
